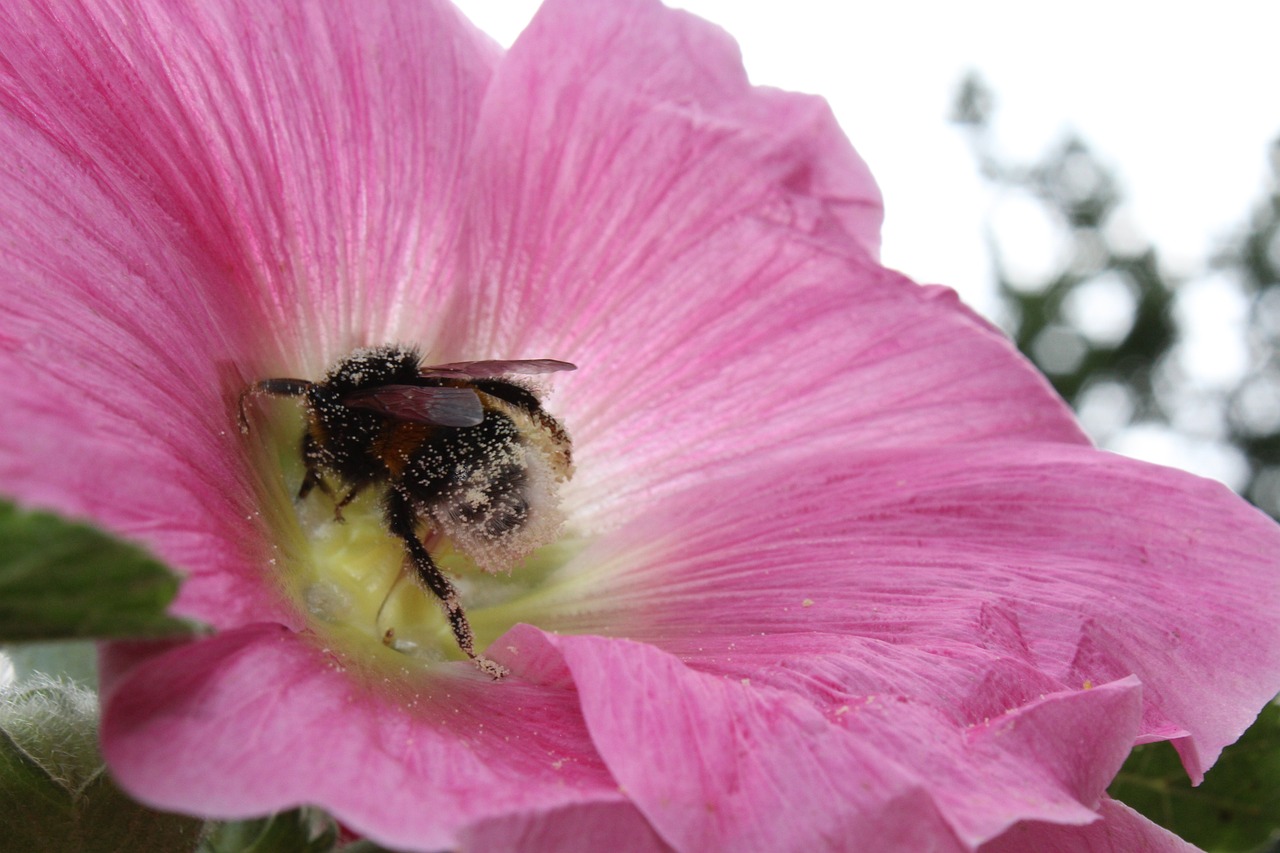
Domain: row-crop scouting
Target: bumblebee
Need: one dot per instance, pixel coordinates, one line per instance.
(462, 448)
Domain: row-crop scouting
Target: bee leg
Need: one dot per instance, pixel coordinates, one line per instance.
(402, 521)
(311, 479)
(347, 498)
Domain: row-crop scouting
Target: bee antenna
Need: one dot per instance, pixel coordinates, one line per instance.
(274, 387)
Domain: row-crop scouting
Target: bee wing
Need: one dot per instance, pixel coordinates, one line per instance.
(487, 369)
(451, 407)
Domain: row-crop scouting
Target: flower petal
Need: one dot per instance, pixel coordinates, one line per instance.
(311, 152)
(969, 581)
(192, 194)
(259, 719)
(1121, 830)
(617, 827)
(639, 209)
(728, 764)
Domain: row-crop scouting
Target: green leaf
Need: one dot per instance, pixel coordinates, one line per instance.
(63, 579)
(1237, 808)
(56, 793)
(298, 831)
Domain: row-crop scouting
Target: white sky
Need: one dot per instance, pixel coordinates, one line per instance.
(1182, 98)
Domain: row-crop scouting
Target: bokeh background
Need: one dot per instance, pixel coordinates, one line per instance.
(1098, 178)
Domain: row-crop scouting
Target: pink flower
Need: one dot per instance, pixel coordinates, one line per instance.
(839, 570)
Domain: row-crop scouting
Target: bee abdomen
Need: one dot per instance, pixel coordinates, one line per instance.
(486, 489)
(398, 443)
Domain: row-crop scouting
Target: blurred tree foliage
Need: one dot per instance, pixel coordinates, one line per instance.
(1254, 414)
(1122, 377)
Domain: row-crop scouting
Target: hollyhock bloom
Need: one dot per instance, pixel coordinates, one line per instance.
(839, 571)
